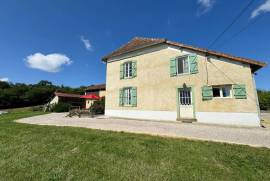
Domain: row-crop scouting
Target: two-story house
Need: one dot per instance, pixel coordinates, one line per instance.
(157, 79)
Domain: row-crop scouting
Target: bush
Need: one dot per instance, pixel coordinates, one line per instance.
(60, 107)
(98, 107)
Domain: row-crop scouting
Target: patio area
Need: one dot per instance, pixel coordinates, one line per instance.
(258, 137)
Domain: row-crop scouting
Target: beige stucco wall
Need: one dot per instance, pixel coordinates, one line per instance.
(157, 91)
(55, 100)
(88, 103)
(102, 93)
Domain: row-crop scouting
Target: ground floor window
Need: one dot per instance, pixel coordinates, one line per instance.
(127, 96)
(224, 91)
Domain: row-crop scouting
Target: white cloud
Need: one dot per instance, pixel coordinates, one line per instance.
(87, 44)
(49, 63)
(263, 8)
(205, 5)
(4, 79)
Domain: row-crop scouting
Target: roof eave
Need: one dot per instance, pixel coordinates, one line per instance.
(106, 58)
(95, 89)
(255, 65)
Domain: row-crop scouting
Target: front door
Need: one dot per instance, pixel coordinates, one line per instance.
(185, 103)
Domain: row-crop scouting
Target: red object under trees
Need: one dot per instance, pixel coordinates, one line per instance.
(90, 96)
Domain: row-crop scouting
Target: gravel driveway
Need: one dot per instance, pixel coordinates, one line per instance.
(259, 137)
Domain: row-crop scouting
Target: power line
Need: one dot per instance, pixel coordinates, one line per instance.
(228, 77)
(230, 25)
(240, 31)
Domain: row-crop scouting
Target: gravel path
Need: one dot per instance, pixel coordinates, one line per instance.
(259, 137)
(265, 115)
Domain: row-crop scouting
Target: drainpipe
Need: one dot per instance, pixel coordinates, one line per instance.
(256, 95)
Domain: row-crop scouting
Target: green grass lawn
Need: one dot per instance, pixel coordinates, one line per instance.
(31, 152)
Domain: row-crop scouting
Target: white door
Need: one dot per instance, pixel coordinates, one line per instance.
(185, 103)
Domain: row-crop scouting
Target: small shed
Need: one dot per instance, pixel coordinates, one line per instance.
(72, 99)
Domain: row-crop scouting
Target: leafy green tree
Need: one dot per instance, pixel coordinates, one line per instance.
(44, 83)
(4, 85)
(21, 95)
(264, 99)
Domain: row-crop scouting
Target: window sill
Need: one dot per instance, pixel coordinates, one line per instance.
(127, 78)
(127, 106)
(183, 74)
(222, 97)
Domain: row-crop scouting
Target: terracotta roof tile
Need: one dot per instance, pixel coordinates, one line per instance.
(61, 94)
(96, 87)
(140, 43)
(134, 44)
(254, 63)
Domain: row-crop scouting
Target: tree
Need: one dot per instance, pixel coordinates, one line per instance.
(21, 95)
(44, 83)
(4, 85)
(264, 99)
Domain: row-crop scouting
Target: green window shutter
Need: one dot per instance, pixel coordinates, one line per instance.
(121, 97)
(239, 91)
(134, 96)
(207, 93)
(121, 71)
(173, 65)
(193, 63)
(134, 68)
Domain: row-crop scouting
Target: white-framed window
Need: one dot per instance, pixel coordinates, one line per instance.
(127, 96)
(224, 91)
(128, 69)
(182, 65)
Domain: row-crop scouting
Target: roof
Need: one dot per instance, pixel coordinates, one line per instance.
(96, 87)
(138, 43)
(90, 96)
(60, 94)
(134, 44)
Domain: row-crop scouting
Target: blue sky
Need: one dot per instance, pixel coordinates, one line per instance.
(63, 40)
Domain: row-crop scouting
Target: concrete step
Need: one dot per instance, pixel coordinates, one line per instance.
(187, 120)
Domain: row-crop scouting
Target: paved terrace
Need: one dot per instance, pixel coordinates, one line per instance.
(258, 137)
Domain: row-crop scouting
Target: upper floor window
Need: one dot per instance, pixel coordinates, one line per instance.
(182, 65)
(128, 69)
(187, 64)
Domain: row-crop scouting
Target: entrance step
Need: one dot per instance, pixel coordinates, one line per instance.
(187, 120)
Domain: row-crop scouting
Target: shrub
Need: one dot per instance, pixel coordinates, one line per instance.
(98, 107)
(60, 107)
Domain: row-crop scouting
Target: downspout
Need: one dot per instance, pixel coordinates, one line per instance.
(256, 95)
(207, 59)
